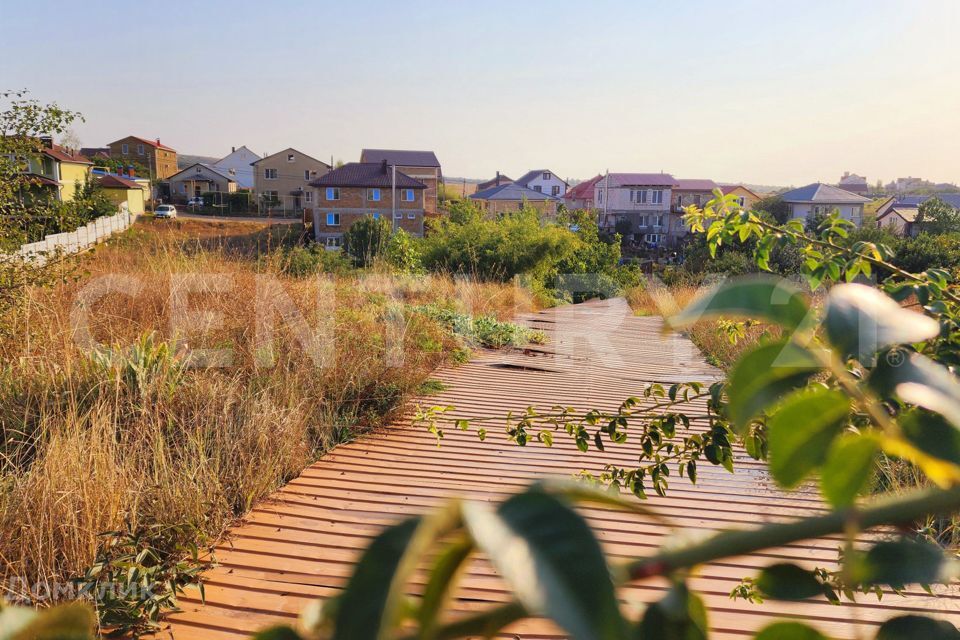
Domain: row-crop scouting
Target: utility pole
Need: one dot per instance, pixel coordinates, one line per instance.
(393, 198)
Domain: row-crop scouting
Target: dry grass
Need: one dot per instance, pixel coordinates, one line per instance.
(721, 343)
(93, 444)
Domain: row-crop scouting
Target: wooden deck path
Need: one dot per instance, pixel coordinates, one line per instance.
(299, 544)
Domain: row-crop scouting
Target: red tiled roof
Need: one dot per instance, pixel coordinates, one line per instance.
(583, 191)
(60, 153)
(730, 188)
(116, 182)
(152, 143)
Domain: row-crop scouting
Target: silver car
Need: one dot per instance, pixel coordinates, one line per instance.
(165, 211)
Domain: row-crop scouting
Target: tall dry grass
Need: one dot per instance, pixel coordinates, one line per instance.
(130, 435)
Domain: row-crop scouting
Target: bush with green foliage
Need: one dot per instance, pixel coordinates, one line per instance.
(366, 239)
(403, 253)
(481, 331)
(302, 261)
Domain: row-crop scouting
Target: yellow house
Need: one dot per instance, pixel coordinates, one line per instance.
(745, 198)
(58, 169)
(121, 190)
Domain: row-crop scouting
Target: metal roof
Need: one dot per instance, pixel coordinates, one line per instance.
(511, 191)
(695, 184)
(530, 175)
(642, 180)
(401, 157)
(823, 194)
(952, 199)
(366, 174)
(299, 545)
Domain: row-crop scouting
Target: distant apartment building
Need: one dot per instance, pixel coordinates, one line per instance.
(419, 165)
(820, 199)
(282, 181)
(544, 181)
(360, 189)
(643, 201)
(160, 160)
(511, 197)
(853, 183)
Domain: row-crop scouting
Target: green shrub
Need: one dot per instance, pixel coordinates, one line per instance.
(302, 261)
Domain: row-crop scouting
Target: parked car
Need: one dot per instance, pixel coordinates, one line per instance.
(165, 211)
(195, 202)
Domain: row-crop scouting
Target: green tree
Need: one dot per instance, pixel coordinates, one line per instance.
(775, 206)
(936, 216)
(366, 239)
(402, 253)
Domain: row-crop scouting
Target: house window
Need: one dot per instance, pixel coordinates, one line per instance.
(333, 241)
(546, 175)
(373, 195)
(376, 215)
(657, 196)
(679, 201)
(291, 157)
(600, 196)
(333, 219)
(306, 175)
(697, 199)
(308, 196)
(411, 216)
(740, 201)
(199, 169)
(555, 190)
(139, 149)
(398, 215)
(538, 188)
(183, 188)
(333, 193)
(407, 195)
(270, 174)
(124, 148)
(640, 196)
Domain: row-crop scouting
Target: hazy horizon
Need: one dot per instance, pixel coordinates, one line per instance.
(743, 91)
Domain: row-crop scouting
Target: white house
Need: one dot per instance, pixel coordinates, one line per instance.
(236, 164)
(823, 199)
(643, 200)
(543, 181)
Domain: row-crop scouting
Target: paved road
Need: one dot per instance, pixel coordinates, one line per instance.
(298, 545)
(186, 215)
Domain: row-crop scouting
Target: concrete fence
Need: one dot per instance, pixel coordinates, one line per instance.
(76, 241)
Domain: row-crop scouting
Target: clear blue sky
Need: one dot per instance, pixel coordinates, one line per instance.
(759, 91)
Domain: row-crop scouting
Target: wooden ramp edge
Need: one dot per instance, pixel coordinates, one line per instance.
(299, 544)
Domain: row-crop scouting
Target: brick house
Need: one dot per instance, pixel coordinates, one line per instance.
(359, 189)
(422, 166)
(641, 199)
(512, 197)
(281, 181)
(688, 191)
(160, 159)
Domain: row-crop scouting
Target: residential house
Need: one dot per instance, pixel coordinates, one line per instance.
(95, 153)
(641, 200)
(900, 219)
(121, 190)
(419, 165)
(512, 197)
(823, 199)
(282, 180)
(853, 183)
(495, 181)
(359, 189)
(544, 181)
(952, 199)
(58, 169)
(745, 198)
(160, 159)
(690, 191)
(581, 196)
(238, 164)
(198, 179)
(878, 206)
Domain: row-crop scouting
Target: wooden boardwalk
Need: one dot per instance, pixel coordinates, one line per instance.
(299, 544)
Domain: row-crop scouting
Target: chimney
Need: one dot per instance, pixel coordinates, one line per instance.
(496, 182)
(158, 142)
(233, 149)
(133, 172)
(383, 166)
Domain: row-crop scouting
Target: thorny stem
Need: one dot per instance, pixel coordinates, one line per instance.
(896, 510)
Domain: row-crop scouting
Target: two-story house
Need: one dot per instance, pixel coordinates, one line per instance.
(688, 191)
(422, 166)
(238, 164)
(160, 159)
(360, 189)
(56, 171)
(281, 181)
(823, 199)
(544, 181)
(640, 199)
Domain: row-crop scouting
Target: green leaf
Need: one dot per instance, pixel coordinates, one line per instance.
(680, 615)
(931, 434)
(74, 621)
(849, 465)
(763, 376)
(789, 631)
(754, 297)
(801, 431)
(786, 581)
(911, 627)
(901, 562)
(362, 607)
(436, 594)
(278, 632)
(530, 539)
(861, 320)
(921, 381)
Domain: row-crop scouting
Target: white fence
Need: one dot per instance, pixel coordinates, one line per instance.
(76, 241)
